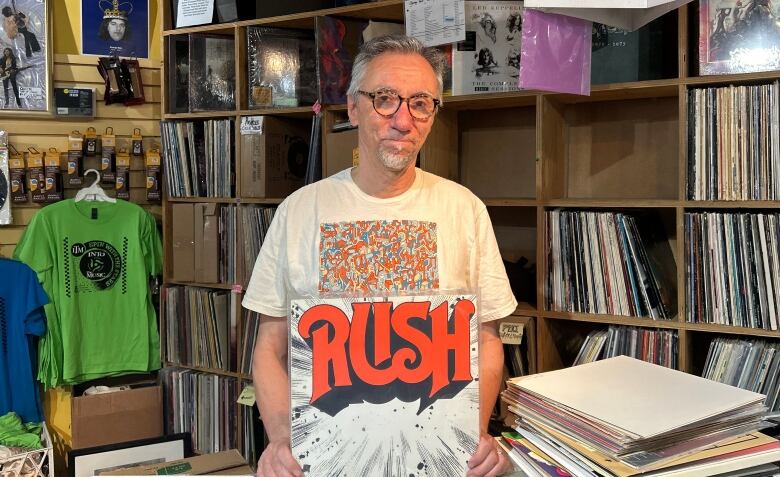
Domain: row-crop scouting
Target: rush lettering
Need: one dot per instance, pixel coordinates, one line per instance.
(382, 345)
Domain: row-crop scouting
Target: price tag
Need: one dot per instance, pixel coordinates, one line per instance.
(251, 125)
(511, 333)
(247, 396)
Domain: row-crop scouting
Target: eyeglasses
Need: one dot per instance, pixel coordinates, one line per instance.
(387, 103)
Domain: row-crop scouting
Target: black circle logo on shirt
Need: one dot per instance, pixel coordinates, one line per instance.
(99, 263)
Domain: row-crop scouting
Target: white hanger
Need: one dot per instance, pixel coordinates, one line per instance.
(93, 192)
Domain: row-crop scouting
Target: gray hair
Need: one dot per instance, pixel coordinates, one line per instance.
(394, 44)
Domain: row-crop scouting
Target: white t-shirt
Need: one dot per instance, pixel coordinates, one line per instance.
(331, 237)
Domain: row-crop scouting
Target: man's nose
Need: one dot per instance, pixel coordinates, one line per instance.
(402, 119)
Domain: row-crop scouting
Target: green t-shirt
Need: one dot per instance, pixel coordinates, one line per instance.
(94, 260)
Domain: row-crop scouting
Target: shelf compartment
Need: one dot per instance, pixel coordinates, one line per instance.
(490, 151)
(659, 237)
(610, 150)
(515, 230)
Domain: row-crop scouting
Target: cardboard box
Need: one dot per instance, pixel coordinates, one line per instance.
(339, 150)
(183, 242)
(222, 463)
(121, 416)
(273, 157)
(206, 249)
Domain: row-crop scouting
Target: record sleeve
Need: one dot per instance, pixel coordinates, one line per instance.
(385, 385)
(738, 36)
(212, 81)
(488, 60)
(282, 65)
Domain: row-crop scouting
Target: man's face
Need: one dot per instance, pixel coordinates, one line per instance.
(394, 141)
(116, 29)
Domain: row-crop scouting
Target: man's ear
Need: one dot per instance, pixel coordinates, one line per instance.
(352, 110)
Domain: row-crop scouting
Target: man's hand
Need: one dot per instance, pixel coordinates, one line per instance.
(489, 460)
(277, 461)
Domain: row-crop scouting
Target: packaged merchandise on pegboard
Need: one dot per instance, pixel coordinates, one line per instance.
(18, 175)
(5, 204)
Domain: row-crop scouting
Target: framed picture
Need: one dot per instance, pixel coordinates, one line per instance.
(115, 27)
(98, 460)
(25, 56)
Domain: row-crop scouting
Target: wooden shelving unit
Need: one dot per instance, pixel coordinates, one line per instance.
(623, 148)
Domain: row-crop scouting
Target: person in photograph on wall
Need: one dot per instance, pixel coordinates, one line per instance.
(115, 26)
(8, 72)
(16, 23)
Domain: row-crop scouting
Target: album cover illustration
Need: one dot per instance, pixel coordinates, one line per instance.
(384, 385)
(738, 36)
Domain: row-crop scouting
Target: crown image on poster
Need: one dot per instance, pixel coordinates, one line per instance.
(112, 9)
(384, 385)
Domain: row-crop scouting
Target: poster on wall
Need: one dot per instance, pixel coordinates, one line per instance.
(115, 27)
(488, 60)
(384, 385)
(25, 58)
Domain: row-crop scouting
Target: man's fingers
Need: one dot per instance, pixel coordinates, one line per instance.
(503, 465)
(484, 448)
(286, 458)
(485, 466)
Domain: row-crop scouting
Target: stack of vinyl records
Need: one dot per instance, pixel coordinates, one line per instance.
(625, 417)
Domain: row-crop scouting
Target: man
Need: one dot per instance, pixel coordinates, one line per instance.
(395, 90)
(114, 25)
(16, 23)
(8, 71)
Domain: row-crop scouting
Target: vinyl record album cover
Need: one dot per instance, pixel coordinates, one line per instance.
(738, 36)
(212, 79)
(338, 40)
(384, 385)
(488, 60)
(282, 65)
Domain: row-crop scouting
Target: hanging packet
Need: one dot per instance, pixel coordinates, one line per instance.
(153, 175)
(75, 158)
(35, 175)
(90, 142)
(18, 175)
(123, 175)
(108, 155)
(53, 175)
(137, 143)
(5, 203)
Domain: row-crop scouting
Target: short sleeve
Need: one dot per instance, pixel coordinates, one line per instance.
(34, 248)
(35, 298)
(267, 289)
(151, 246)
(495, 293)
